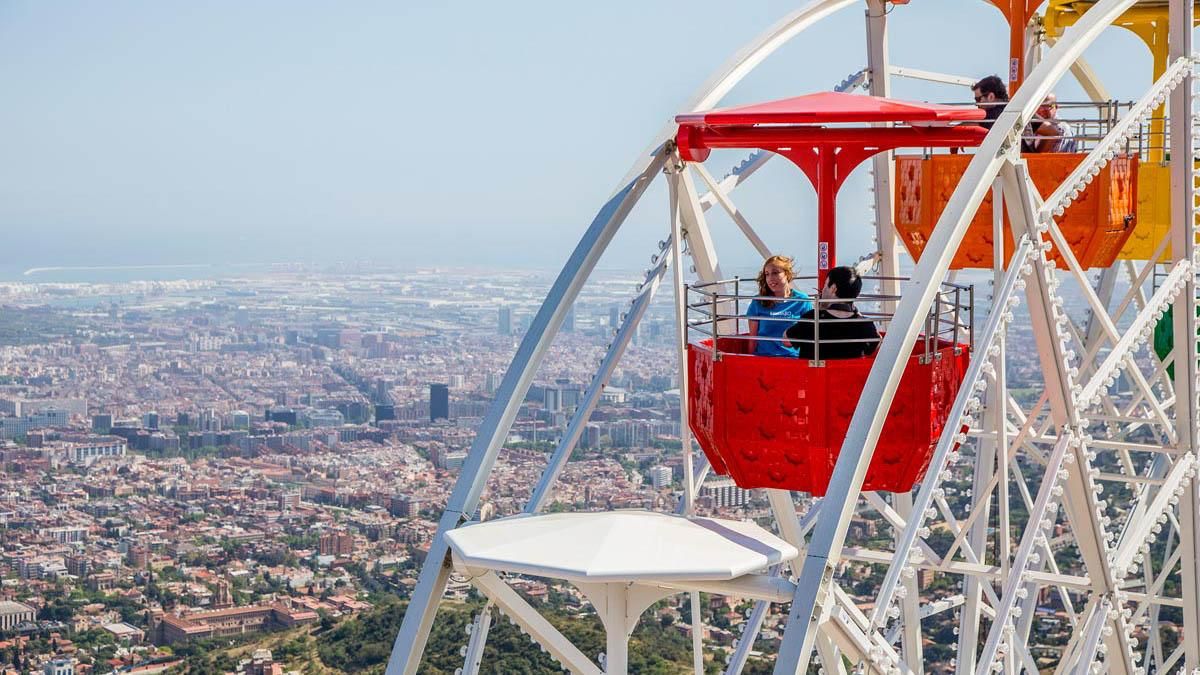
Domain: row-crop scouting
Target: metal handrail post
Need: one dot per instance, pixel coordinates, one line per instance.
(817, 331)
(957, 316)
(737, 302)
(716, 328)
(971, 296)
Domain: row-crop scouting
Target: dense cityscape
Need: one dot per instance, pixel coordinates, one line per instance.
(201, 476)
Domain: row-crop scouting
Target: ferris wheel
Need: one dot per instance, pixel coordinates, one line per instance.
(1083, 497)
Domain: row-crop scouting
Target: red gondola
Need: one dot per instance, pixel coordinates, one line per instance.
(779, 423)
(772, 422)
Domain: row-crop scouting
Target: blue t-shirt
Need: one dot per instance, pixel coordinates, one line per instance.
(792, 308)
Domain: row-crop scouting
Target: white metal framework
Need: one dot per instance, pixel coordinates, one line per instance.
(1084, 499)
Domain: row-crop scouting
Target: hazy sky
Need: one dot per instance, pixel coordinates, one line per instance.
(417, 132)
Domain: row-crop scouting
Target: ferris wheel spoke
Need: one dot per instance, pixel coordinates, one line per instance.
(732, 211)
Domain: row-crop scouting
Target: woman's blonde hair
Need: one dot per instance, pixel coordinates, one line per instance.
(782, 262)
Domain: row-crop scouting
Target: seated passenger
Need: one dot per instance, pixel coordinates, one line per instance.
(1047, 133)
(991, 95)
(775, 281)
(840, 331)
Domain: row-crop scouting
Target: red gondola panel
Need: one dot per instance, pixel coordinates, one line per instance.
(772, 422)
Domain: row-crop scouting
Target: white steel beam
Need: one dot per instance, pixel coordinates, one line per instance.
(1149, 523)
(719, 195)
(1182, 118)
(478, 628)
(520, 612)
(882, 168)
(414, 629)
(682, 203)
(677, 209)
(591, 397)
(930, 76)
(1041, 517)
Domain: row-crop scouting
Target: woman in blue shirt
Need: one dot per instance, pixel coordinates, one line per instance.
(775, 281)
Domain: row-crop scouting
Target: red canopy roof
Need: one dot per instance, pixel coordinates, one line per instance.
(832, 107)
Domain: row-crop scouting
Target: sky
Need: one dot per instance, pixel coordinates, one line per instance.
(459, 134)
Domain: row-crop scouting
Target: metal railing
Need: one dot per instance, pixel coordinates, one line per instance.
(717, 310)
(1091, 121)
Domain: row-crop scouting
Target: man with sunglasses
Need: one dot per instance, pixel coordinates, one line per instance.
(991, 94)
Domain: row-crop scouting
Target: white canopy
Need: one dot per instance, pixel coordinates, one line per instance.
(616, 546)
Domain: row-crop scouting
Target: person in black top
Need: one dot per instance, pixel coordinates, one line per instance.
(842, 333)
(992, 95)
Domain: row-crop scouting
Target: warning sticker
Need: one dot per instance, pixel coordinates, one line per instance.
(823, 255)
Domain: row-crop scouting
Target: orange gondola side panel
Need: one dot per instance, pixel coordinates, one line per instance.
(1096, 225)
(771, 422)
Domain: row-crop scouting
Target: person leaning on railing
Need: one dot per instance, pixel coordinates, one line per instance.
(775, 281)
(838, 331)
(1046, 132)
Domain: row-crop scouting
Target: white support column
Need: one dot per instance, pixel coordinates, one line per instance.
(697, 633)
(620, 606)
(687, 223)
(985, 459)
(614, 617)
(910, 605)
(883, 169)
(674, 169)
(1182, 114)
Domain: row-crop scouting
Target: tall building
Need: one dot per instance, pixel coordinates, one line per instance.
(504, 321)
(569, 322)
(614, 317)
(591, 436)
(660, 476)
(210, 420)
(102, 423)
(439, 402)
(724, 492)
(150, 421)
(335, 543)
(289, 500)
(552, 399)
(78, 564)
